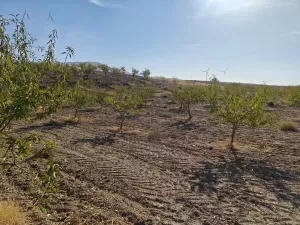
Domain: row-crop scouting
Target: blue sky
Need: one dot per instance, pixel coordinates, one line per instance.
(258, 39)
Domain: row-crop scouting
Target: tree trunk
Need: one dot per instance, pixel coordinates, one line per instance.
(76, 110)
(189, 111)
(121, 124)
(234, 128)
(180, 107)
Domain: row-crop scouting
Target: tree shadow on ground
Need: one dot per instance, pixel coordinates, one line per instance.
(51, 125)
(185, 125)
(89, 110)
(238, 174)
(177, 110)
(97, 140)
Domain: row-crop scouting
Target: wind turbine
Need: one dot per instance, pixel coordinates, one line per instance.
(206, 71)
(224, 71)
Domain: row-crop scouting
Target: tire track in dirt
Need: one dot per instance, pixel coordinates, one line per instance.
(153, 172)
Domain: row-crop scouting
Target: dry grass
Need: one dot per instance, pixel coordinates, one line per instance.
(10, 214)
(288, 126)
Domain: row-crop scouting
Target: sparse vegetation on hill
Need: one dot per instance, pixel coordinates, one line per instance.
(105, 68)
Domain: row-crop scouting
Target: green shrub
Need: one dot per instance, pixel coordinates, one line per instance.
(288, 126)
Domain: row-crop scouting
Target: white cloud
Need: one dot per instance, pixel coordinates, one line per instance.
(224, 7)
(97, 2)
(104, 3)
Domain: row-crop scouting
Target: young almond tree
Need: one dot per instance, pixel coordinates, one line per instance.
(145, 93)
(293, 96)
(188, 96)
(105, 68)
(123, 70)
(80, 98)
(22, 92)
(134, 72)
(212, 93)
(146, 73)
(89, 70)
(239, 108)
(125, 102)
(116, 71)
(82, 67)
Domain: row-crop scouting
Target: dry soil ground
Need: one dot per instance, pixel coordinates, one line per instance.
(161, 171)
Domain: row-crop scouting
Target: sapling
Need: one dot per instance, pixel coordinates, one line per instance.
(105, 68)
(145, 93)
(243, 109)
(146, 73)
(116, 71)
(134, 72)
(123, 70)
(293, 96)
(212, 93)
(187, 96)
(22, 92)
(80, 98)
(125, 102)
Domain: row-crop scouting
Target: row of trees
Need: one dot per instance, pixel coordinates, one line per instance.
(124, 100)
(23, 92)
(233, 104)
(34, 86)
(87, 69)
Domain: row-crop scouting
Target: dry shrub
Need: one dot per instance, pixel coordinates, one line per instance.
(10, 214)
(288, 126)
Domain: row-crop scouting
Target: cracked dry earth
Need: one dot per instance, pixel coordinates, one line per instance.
(161, 171)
